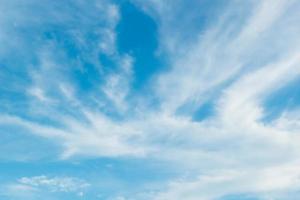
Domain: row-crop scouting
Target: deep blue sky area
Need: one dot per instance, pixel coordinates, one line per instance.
(138, 36)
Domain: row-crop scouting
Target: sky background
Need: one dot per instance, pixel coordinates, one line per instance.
(149, 100)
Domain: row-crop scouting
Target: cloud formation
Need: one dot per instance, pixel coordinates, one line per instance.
(75, 89)
(55, 184)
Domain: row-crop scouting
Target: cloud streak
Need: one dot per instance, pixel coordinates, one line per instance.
(78, 93)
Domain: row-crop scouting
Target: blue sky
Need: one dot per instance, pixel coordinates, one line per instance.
(149, 100)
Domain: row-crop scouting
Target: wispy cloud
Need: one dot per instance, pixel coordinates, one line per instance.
(55, 184)
(43, 186)
(77, 90)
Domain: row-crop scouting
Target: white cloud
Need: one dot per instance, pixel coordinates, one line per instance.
(37, 187)
(39, 94)
(237, 61)
(54, 184)
(259, 182)
(117, 85)
(224, 50)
